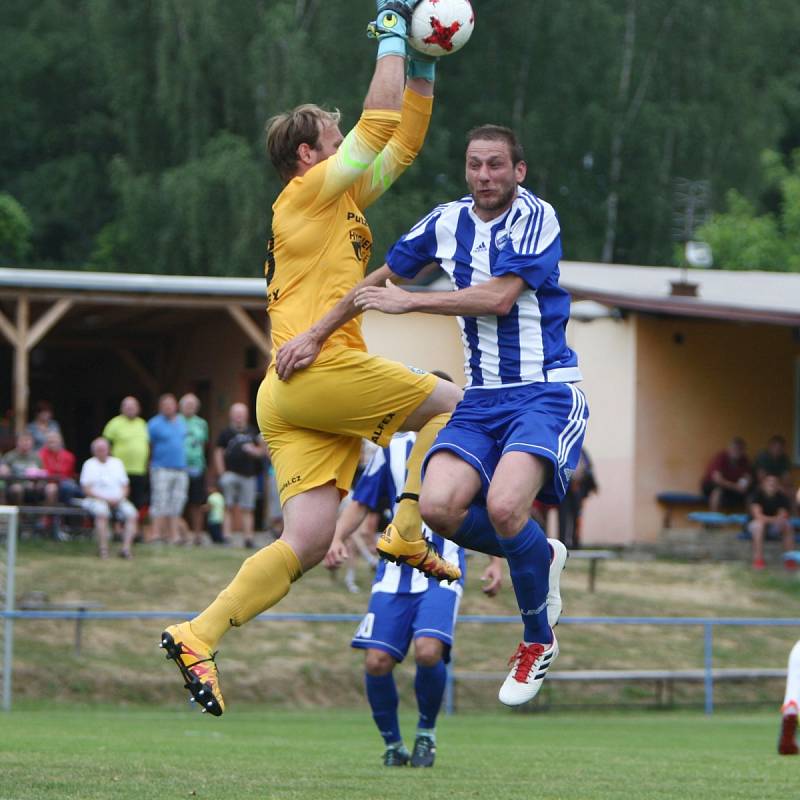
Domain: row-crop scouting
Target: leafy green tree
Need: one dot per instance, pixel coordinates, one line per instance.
(741, 238)
(15, 231)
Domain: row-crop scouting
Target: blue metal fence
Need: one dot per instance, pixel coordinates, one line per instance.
(708, 624)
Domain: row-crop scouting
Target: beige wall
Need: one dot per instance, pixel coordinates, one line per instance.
(607, 355)
(699, 383)
(419, 340)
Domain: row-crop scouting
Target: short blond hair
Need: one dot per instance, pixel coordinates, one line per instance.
(287, 131)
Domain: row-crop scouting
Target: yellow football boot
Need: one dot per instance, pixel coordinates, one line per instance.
(196, 663)
(420, 554)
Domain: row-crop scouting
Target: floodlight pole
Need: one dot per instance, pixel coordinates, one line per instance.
(12, 513)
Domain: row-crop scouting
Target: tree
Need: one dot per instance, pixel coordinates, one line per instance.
(741, 238)
(15, 231)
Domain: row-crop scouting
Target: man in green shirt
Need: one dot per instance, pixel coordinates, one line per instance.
(195, 448)
(130, 443)
(21, 473)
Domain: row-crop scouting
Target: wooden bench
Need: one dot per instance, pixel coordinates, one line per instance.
(670, 501)
(716, 519)
(664, 679)
(593, 557)
(73, 512)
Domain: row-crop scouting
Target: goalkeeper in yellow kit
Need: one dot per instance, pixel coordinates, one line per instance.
(315, 420)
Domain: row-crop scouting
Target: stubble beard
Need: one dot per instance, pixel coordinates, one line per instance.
(501, 202)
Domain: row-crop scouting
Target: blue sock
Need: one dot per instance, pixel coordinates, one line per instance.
(476, 532)
(382, 697)
(429, 686)
(528, 555)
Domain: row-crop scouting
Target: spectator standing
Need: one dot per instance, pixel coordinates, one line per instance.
(774, 460)
(130, 443)
(168, 479)
(728, 477)
(238, 459)
(42, 424)
(106, 486)
(583, 484)
(195, 448)
(769, 511)
(216, 515)
(22, 473)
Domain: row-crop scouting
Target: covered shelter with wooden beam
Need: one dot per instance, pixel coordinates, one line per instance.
(84, 340)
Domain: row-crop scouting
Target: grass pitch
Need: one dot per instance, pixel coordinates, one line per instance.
(117, 754)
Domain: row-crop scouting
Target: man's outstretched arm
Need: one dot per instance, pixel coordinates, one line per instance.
(496, 297)
(302, 351)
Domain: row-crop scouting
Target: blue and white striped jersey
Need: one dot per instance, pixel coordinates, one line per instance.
(529, 344)
(385, 477)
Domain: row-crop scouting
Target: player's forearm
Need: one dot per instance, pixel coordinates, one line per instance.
(386, 88)
(471, 302)
(349, 521)
(346, 309)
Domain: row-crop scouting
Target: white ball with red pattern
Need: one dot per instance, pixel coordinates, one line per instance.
(441, 27)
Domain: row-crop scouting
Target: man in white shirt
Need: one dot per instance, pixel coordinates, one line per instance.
(105, 485)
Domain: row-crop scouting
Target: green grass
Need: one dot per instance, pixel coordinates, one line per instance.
(277, 755)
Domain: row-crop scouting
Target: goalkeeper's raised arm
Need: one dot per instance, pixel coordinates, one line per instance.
(307, 136)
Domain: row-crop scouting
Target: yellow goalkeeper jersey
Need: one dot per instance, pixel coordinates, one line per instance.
(321, 242)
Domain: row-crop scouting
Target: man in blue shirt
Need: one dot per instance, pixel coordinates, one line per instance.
(169, 480)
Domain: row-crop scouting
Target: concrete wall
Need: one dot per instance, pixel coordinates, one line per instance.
(607, 355)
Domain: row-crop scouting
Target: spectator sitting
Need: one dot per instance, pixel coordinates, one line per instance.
(130, 442)
(22, 473)
(728, 477)
(59, 464)
(774, 460)
(106, 487)
(169, 481)
(769, 509)
(42, 424)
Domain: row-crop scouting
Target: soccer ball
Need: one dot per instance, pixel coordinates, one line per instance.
(441, 27)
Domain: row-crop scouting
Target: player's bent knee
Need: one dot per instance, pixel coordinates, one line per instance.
(378, 663)
(506, 518)
(428, 652)
(440, 516)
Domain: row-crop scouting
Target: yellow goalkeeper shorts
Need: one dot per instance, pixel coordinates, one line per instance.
(314, 422)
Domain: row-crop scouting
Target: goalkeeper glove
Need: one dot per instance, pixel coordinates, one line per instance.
(391, 26)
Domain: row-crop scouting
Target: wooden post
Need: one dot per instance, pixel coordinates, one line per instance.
(24, 339)
(253, 332)
(21, 364)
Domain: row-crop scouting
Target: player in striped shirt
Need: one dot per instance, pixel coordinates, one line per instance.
(405, 605)
(517, 433)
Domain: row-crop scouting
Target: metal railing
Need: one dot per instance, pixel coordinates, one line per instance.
(707, 624)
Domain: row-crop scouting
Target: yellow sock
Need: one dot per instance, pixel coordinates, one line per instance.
(407, 518)
(260, 583)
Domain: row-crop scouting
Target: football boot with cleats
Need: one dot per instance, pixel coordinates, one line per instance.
(195, 662)
(420, 554)
(529, 665)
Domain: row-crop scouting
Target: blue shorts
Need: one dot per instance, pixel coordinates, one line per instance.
(544, 419)
(393, 620)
